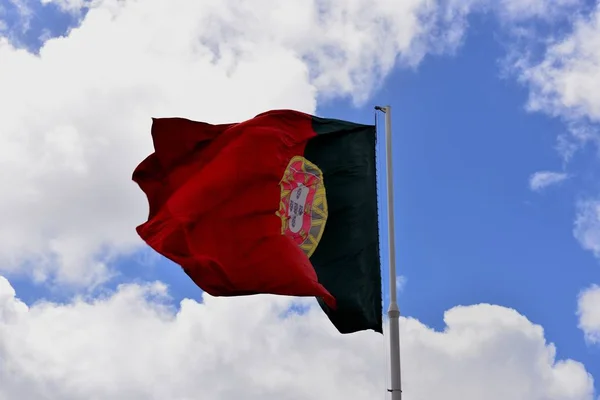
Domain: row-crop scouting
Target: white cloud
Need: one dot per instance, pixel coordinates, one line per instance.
(542, 179)
(587, 225)
(76, 122)
(589, 313)
(76, 118)
(564, 83)
(132, 345)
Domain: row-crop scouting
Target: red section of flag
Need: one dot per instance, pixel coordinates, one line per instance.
(213, 193)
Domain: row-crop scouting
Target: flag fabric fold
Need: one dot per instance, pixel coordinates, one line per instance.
(284, 203)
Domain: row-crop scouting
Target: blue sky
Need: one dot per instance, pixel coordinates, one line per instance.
(470, 230)
(473, 121)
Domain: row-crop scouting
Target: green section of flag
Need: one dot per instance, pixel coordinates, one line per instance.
(347, 259)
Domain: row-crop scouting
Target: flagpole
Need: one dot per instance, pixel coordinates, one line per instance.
(393, 310)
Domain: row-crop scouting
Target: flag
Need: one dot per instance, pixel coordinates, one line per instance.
(284, 203)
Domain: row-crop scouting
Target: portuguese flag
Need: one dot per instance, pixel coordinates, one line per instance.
(284, 203)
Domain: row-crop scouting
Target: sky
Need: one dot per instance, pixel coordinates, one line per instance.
(495, 119)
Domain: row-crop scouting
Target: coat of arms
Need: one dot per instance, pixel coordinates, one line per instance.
(303, 205)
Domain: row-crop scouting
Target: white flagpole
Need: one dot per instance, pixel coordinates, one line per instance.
(393, 310)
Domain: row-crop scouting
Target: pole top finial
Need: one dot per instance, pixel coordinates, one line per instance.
(383, 109)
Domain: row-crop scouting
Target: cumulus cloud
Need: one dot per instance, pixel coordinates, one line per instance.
(76, 122)
(132, 344)
(564, 82)
(542, 179)
(589, 313)
(76, 117)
